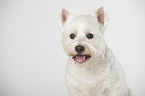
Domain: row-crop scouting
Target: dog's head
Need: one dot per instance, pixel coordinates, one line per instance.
(83, 35)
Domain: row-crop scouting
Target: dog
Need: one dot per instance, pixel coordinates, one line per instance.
(92, 69)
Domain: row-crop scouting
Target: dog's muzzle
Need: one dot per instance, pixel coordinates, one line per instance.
(81, 58)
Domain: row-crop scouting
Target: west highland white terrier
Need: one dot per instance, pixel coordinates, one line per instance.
(92, 69)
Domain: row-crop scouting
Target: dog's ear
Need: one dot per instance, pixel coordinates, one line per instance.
(63, 17)
(101, 17)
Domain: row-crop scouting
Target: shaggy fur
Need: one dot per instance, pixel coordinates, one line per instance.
(101, 74)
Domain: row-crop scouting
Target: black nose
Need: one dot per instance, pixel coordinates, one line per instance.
(79, 49)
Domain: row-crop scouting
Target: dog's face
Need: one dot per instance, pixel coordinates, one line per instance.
(83, 35)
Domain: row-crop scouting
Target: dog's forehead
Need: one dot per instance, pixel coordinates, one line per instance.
(83, 22)
(83, 19)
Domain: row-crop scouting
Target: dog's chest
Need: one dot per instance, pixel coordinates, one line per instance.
(91, 75)
(89, 83)
(84, 77)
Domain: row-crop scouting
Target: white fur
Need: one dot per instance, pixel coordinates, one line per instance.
(102, 74)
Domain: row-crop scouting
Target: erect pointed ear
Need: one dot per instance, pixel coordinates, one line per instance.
(63, 17)
(101, 18)
(100, 15)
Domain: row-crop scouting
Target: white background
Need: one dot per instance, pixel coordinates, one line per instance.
(32, 60)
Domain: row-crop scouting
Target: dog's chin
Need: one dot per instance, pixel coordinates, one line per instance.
(81, 58)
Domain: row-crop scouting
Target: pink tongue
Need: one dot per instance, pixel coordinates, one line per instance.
(81, 59)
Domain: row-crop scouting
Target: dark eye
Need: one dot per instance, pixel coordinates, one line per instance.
(72, 36)
(90, 36)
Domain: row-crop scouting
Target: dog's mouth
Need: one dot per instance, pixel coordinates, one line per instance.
(81, 58)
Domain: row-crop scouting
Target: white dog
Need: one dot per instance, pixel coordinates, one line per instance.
(92, 69)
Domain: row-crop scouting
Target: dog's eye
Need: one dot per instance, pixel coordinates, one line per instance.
(72, 36)
(90, 36)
